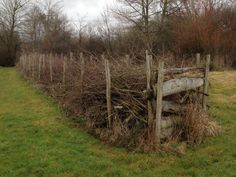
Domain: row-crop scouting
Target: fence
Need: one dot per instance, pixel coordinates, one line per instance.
(163, 112)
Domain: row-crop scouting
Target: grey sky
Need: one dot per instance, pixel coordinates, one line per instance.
(89, 8)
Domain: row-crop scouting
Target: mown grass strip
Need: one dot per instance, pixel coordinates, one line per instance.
(37, 140)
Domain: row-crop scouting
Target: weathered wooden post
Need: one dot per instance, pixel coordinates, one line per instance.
(24, 62)
(82, 68)
(29, 64)
(159, 100)
(20, 62)
(206, 82)
(50, 67)
(198, 59)
(44, 63)
(40, 62)
(33, 65)
(64, 70)
(128, 60)
(71, 56)
(108, 90)
(149, 79)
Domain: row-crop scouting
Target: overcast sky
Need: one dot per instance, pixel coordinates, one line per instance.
(89, 8)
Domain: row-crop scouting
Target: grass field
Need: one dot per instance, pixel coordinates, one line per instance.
(37, 140)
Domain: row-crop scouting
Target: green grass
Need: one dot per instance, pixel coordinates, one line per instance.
(37, 140)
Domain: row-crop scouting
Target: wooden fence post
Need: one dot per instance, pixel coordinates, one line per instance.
(50, 67)
(20, 62)
(43, 64)
(40, 62)
(198, 59)
(33, 65)
(206, 82)
(64, 70)
(82, 65)
(71, 56)
(159, 101)
(24, 62)
(29, 64)
(149, 79)
(108, 90)
(128, 60)
(82, 70)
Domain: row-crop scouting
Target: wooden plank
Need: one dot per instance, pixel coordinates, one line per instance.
(159, 88)
(108, 91)
(149, 102)
(206, 82)
(167, 122)
(182, 70)
(180, 85)
(175, 86)
(171, 107)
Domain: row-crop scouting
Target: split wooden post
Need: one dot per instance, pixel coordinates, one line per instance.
(198, 59)
(50, 67)
(20, 62)
(24, 62)
(127, 58)
(159, 101)
(91, 58)
(70, 62)
(40, 62)
(151, 60)
(108, 90)
(32, 66)
(206, 82)
(82, 68)
(71, 56)
(64, 69)
(29, 64)
(149, 79)
(43, 63)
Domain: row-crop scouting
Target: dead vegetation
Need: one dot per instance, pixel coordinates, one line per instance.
(86, 99)
(197, 125)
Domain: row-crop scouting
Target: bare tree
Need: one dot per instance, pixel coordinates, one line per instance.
(11, 16)
(80, 27)
(106, 29)
(140, 13)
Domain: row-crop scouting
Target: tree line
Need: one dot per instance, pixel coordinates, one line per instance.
(176, 27)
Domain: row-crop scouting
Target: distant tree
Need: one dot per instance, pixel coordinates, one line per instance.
(47, 29)
(12, 13)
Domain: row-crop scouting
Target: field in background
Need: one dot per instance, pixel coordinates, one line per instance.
(37, 140)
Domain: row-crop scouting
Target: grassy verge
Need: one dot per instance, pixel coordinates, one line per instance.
(37, 140)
